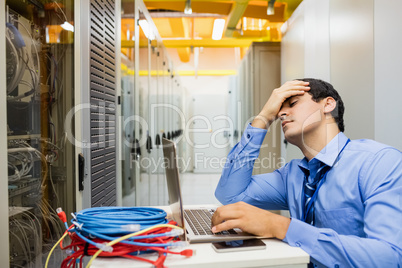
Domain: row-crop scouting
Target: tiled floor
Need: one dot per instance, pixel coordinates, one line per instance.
(196, 189)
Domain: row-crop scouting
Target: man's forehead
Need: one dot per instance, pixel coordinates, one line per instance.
(292, 98)
(305, 96)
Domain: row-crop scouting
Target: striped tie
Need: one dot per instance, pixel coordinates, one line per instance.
(309, 190)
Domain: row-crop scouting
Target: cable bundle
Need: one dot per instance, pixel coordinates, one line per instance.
(116, 220)
(119, 231)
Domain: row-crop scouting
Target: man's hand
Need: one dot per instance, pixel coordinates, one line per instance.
(250, 219)
(269, 112)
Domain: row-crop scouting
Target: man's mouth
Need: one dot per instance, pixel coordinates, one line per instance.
(285, 122)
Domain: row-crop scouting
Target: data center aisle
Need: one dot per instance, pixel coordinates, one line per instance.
(196, 189)
(199, 188)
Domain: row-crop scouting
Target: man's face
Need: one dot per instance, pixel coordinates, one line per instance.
(300, 116)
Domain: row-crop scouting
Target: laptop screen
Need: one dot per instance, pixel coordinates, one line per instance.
(173, 182)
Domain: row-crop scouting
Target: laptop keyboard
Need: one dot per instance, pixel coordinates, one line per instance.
(199, 220)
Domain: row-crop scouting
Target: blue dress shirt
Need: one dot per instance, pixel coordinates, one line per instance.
(358, 211)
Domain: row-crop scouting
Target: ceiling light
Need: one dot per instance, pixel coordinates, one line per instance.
(187, 9)
(147, 30)
(219, 24)
(245, 23)
(67, 26)
(270, 8)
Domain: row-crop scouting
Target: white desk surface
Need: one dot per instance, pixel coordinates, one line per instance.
(276, 254)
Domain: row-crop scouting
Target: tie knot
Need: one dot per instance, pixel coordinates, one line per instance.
(322, 169)
(314, 175)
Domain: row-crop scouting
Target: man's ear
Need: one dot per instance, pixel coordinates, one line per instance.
(329, 105)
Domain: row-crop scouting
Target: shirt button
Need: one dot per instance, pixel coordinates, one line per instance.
(336, 265)
(248, 136)
(298, 244)
(231, 161)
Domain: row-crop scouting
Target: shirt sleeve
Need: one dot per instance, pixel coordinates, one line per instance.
(237, 182)
(381, 192)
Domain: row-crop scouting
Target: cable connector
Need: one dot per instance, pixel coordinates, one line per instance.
(79, 225)
(159, 262)
(131, 228)
(69, 252)
(104, 247)
(188, 252)
(179, 244)
(61, 214)
(175, 232)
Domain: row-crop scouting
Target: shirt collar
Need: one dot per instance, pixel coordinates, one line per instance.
(329, 153)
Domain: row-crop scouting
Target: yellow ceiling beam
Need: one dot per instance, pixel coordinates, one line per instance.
(180, 43)
(235, 15)
(260, 12)
(191, 73)
(222, 8)
(128, 71)
(253, 9)
(184, 54)
(183, 1)
(181, 28)
(207, 73)
(208, 43)
(291, 5)
(252, 34)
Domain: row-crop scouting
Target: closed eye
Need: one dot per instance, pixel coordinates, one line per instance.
(292, 104)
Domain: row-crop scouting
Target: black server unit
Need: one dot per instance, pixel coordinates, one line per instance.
(102, 98)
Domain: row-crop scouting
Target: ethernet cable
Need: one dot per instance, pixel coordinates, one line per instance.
(105, 220)
(131, 235)
(89, 238)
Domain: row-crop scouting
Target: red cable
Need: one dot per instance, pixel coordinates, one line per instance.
(122, 249)
(61, 242)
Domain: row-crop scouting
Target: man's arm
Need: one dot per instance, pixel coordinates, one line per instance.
(250, 219)
(237, 183)
(269, 112)
(264, 191)
(381, 192)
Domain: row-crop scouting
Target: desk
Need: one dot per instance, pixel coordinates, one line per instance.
(276, 254)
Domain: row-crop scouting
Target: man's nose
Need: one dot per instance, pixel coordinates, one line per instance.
(283, 112)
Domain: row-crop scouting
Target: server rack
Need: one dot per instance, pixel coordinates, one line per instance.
(37, 91)
(96, 99)
(71, 130)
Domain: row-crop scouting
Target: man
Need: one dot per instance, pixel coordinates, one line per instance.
(344, 197)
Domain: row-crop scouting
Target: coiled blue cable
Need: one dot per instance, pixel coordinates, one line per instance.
(112, 220)
(109, 222)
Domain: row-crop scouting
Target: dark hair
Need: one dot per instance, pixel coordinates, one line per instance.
(319, 90)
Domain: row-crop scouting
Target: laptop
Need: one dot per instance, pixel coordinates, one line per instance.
(195, 220)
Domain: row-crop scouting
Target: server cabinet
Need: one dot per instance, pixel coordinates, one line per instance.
(259, 74)
(38, 90)
(96, 81)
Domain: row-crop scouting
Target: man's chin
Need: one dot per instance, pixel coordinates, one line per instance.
(292, 136)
